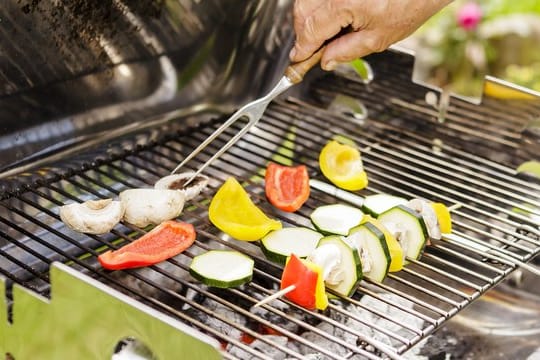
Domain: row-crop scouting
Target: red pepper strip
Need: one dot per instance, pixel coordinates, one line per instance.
(287, 187)
(166, 240)
(246, 338)
(298, 274)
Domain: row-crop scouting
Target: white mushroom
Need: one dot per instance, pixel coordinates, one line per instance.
(151, 206)
(399, 232)
(357, 241)
(328, 257)
(424, 209)
(93, 216)
(177, 182)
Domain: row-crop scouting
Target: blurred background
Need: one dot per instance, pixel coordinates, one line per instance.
(470, 39)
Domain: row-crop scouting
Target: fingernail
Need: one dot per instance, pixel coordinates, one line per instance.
(330, 65)
(292, 54)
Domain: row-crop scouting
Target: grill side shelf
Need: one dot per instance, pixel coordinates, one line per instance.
(85, 320)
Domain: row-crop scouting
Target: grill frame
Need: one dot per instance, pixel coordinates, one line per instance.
(386, 146)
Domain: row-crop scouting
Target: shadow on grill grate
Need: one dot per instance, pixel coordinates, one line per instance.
(405, 151)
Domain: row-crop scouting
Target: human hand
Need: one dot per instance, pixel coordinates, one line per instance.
(376, 24)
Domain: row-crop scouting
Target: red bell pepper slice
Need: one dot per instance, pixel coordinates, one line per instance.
(166, 240)
(304, 279)
(287, 187)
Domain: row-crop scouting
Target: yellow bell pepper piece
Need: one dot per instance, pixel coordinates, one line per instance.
(342, 165)
(443, 217)
(396, 252)
(232, 211)
(321, 299)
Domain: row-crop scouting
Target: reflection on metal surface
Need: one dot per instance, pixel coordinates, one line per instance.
(358, 70)
(132, 349)
(350, 107)
(439, 103)
(502, 324)
(85, 320)
(531, 137)
(115, 63)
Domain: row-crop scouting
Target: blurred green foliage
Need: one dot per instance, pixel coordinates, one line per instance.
(504, 44)
(496, 8)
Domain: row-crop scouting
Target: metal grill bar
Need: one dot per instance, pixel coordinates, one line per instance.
(394, 84)
(451, 277)
(490, 171)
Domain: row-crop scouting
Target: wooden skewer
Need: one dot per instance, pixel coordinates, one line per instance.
(276, 295)
(454, 207)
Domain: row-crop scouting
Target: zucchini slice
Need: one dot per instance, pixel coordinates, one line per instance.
(374, 253)
(222, 268)
(336, 219)
(280, 244)
(379, 203)
(349, 266)
(414, 236)
(396, 252)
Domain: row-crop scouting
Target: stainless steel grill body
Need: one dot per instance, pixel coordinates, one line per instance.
(75, 70)
(469, 159)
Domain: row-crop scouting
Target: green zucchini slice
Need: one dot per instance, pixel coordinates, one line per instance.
(280, 244)
(411, 230)
(222, 268)
(374, 253)
(379, 203)
(336, 219)
(349, 265)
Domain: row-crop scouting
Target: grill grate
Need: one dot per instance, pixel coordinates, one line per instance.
(380, 319)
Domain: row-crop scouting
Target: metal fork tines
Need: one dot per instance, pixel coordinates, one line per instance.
(253, 111)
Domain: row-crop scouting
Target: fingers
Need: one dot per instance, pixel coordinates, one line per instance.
(315, 22)
(352, 46)
(376, 23)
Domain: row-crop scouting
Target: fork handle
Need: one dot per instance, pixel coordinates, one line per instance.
(295, 72)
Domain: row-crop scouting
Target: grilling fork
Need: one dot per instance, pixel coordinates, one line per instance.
(253, 111)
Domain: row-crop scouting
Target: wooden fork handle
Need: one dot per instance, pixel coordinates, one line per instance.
(295, 72)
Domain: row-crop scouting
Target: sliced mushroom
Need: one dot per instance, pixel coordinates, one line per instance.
(93, 216)
(178, 181)
(151, 206)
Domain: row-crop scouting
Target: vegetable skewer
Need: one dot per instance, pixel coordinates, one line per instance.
(383, 252)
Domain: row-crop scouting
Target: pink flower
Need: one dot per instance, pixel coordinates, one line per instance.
(469, 16)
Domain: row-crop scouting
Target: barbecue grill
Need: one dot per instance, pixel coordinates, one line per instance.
(64, 147)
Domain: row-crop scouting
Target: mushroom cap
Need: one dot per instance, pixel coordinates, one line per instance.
(151, 206)
(92, 216)
(177, 181)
